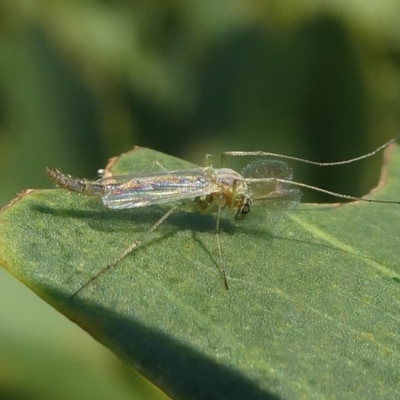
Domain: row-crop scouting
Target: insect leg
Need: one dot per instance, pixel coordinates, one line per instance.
(217, 239)
(218, 200)
(322, 164)
(208, 160)
(128, 250)
(317, 189)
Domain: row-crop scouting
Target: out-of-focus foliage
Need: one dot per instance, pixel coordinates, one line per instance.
(82, 80)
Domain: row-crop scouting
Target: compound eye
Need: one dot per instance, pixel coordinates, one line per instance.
(245, 209)
(242, 212)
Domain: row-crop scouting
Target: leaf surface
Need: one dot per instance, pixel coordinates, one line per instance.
(312, 308)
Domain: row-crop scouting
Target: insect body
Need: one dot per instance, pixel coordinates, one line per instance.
(205, 190)
(210, 189)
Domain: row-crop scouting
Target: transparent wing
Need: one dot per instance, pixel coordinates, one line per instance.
(139, 190)
(277, 196)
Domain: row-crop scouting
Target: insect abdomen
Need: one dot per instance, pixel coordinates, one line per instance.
(76, 185)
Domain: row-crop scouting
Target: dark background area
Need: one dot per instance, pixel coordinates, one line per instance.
(81, 81)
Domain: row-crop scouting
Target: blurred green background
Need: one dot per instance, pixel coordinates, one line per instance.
(84, 80)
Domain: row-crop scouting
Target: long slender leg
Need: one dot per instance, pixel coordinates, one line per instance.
(128, 250)
(208, 160)
(221, 260)
(219, 201)
(234, 194)
(317, 189)
(322, 164)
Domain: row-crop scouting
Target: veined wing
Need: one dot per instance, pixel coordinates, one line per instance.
(139, 190)
(276, 196)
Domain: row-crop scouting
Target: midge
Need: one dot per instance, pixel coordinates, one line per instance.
(205, 190)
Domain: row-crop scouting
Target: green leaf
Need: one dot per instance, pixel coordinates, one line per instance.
(312, 308)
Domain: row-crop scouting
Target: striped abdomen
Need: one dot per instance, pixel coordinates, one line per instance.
(76, 185)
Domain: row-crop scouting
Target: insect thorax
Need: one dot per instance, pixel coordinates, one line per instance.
(231, 191)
